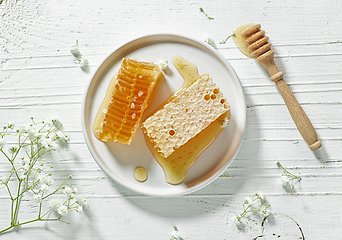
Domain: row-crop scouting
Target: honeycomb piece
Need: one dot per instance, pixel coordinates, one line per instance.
(185, 116)
(129, 93)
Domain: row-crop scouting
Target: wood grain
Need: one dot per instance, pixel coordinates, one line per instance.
(39, 78)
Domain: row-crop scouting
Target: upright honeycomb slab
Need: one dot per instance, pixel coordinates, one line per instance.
(185, 116)
(129, 93)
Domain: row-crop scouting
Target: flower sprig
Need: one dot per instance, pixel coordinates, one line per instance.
(224, 122)
(225, 40)
(28, 169)
(81, 60)
(287, 178)
(256, 204)
(205, 14)
(175, 235)
(210, 41)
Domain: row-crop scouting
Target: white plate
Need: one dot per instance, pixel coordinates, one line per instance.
(119, 160)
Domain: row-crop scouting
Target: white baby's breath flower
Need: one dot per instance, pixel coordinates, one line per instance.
(74, 49)
(164, 65)
(287, 177)
(284, 180)
(44, 188)
(80, 201)
(265, 210)
(175, 235)
(35, 140)
(23, 128)
(240, 223)
(25, 161)
(79, 208)
(2, 143)
(26, 167)
(210, 41)
(67, 191)
(48, 121)
(248, 200)
(224, 122)
(66, 138)
(61, 136)
(261, 195)
(45, 142)
(48, 144)
(48, 180)
(37, 198)
(41, 177)
(256, 204)
(10, 125)
(54, 205)
(33, 132)
(83, 62)
(75, 190)
(13, 150)
(54, 146)
(62, 210)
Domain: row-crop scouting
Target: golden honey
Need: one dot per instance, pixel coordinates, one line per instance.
(129, 93)
(177, 165)
(140, 174)
(240, 41)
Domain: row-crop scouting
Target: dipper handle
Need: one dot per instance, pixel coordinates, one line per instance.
(260, 49)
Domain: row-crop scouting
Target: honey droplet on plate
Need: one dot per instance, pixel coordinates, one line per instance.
(140, 174)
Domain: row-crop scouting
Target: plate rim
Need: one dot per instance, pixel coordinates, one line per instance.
(187, 190)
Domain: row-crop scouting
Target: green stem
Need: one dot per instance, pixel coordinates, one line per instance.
(20, 146)
(5, 154)
(56, 189)
(4, 131)
(31, 221)
(287, 172)
(224, 41)
(6, 229)
(246, 209)
(47, 212)
(16, 211)
(8, 189)
(205, 14)
(40, 210)
(12, 212)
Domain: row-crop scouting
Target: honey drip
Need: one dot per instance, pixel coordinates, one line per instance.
(140, 174)
(177, 165)
(240, 41)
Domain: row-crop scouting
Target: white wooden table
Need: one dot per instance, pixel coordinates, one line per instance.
(39, 78)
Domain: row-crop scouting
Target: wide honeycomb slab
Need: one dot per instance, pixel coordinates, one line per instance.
(185, 116)
(130, 92)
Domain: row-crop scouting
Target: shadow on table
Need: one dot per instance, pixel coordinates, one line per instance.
(321, 154)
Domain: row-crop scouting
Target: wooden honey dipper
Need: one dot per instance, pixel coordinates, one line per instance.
(261, 49)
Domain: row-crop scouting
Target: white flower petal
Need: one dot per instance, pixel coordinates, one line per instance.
(67, 191)
(37, 198)
(164, 65)
(80, 201)
(54, 205)
(44, 188)
(63, 210)
(79, 208)
(2, 143)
